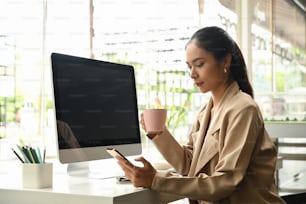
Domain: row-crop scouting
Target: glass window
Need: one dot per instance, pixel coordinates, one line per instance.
(279, 60)
(21, 48)
(143, 33)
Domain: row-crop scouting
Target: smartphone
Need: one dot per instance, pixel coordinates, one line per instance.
(114, 152)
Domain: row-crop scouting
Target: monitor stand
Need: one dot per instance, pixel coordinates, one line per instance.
(80, 169)
(95, 169)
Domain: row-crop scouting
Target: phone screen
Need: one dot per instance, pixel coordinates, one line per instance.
(114, 153)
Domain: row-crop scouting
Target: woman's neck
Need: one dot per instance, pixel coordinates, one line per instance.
(218, 94)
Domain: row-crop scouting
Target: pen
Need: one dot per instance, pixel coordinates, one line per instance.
(39, 155)
(31, 158)
(30, 154)
(26, 154)
(25, 157)
(44, 156)
(17, 155)
(34, 154)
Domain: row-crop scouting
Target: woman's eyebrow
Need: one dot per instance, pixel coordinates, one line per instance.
(196, 59)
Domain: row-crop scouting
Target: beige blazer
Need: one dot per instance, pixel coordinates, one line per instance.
(229, 159)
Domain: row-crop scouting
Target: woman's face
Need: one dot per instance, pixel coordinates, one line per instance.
(207, 73)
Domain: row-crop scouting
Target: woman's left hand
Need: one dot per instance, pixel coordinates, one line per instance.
(140, 176)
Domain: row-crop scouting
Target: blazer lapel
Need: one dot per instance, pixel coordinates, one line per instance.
(210, 147)
(204, 122)
(209, 150)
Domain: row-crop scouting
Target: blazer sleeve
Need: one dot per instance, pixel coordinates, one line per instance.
(179, 156)
(238, 139)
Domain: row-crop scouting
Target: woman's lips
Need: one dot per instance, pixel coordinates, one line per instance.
(199, 83)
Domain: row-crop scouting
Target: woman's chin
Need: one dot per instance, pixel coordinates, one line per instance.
(203, 90)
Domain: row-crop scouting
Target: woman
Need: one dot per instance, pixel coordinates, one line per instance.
(229, 157)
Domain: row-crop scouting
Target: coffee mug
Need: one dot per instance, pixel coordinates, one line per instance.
(155, 120)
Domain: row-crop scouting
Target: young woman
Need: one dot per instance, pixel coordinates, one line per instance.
(229, 157)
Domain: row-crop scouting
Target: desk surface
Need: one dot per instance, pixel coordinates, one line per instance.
(67, 189)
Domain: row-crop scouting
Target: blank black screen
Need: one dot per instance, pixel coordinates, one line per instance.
(96, 100)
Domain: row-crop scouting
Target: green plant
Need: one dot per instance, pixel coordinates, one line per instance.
(176, 117)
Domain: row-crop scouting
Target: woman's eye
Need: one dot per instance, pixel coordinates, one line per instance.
(200, 65)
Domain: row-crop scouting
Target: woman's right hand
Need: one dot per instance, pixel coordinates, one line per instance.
(142, 122)
(149, 134)
(141, 176)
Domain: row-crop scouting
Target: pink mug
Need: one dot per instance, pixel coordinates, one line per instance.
(155, 120)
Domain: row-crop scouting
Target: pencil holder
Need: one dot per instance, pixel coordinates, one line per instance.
(37, 175)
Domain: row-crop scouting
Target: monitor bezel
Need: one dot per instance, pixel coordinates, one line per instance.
(86, 154)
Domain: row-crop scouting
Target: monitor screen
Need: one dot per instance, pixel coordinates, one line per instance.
(95, 108)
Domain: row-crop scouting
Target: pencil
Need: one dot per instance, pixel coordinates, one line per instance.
(17, 155)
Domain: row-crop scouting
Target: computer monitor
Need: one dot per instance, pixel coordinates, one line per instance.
(95, 108)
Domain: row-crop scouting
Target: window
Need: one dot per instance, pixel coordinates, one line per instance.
(279, 60)
(143, 33)
(21, 60)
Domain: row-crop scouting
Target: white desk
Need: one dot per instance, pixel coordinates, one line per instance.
(77, 190)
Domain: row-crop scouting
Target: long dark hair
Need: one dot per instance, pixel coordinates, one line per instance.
(217, 41)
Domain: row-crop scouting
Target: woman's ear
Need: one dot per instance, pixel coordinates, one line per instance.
(227, 62)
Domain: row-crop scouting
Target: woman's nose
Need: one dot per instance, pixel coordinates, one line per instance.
(192, 73)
